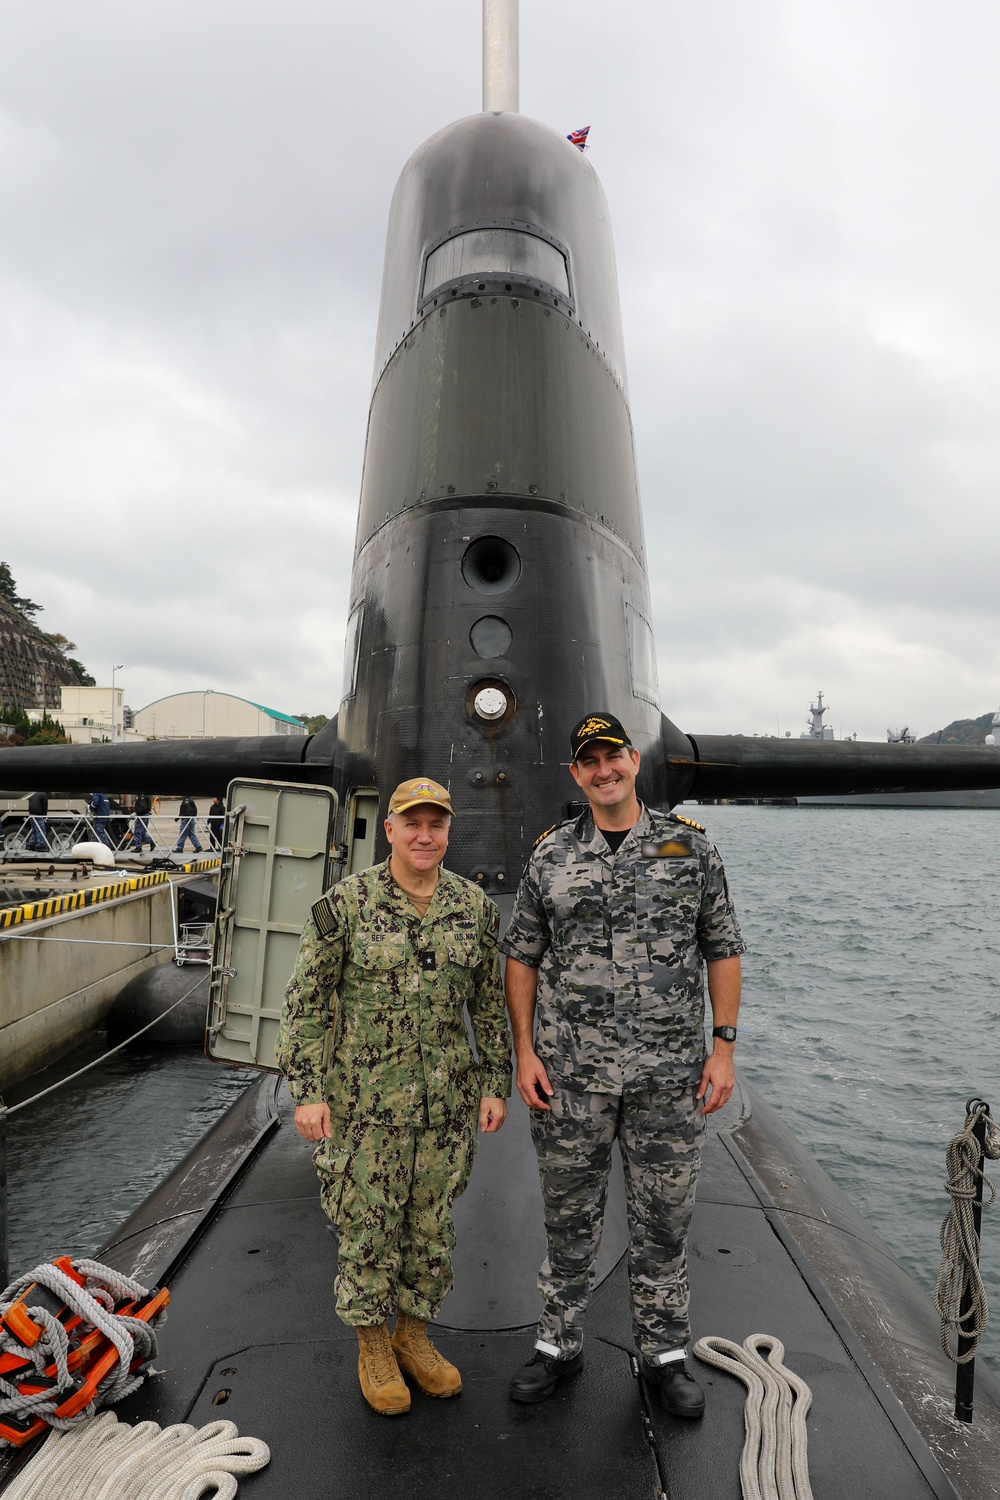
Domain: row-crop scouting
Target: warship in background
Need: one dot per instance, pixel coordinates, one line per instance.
(975, 797)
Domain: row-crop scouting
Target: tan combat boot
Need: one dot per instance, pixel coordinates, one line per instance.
(419, 1359)
(381, 1383)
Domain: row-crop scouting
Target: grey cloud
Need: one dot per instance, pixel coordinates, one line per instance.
(193, 200)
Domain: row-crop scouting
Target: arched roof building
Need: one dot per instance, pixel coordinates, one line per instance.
(199, 715)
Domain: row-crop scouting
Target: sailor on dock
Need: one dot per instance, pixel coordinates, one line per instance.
(375, 1050)
(38, 810)
(615, 915)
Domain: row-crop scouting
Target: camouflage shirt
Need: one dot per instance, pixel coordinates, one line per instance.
(373, 1015)
(619, 941)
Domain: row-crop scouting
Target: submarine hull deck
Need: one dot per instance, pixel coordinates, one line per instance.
(252, 1336)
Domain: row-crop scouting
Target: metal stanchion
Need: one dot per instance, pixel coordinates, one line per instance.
(965, 1375)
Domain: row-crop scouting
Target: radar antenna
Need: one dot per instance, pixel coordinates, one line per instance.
(501, 67)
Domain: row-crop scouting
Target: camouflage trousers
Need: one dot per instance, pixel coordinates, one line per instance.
(660, 1134)
(389, 1190)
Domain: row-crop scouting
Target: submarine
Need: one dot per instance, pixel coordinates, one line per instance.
(500, 589)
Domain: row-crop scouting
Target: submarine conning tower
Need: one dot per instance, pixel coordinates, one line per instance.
(499, 587)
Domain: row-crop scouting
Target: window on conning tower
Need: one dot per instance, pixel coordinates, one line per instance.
(496, 252)
(642, 656)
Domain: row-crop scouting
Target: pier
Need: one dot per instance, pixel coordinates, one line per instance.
(69, 945)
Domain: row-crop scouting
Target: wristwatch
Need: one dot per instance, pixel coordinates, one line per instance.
(727, 1033)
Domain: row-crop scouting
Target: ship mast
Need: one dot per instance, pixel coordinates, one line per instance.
(500, 57)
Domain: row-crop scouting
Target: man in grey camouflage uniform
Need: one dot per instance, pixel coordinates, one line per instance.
(374, 1046)
(615, 916)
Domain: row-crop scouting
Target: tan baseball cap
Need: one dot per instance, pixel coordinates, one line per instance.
(420, 789)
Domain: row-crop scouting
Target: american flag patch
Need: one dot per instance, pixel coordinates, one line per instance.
(324, 917)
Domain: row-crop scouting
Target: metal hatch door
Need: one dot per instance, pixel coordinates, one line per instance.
(362, 817)
(275, 864)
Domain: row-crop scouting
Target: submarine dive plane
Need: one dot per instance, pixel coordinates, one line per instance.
(499, 589)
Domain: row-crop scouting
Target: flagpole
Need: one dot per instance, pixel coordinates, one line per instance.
(500, 57)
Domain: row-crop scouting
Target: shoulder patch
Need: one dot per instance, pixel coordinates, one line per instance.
(324, 916)
(492, 930)
(688, 822)
(544, 835)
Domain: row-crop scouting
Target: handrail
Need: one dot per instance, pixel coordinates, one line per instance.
(61, 833)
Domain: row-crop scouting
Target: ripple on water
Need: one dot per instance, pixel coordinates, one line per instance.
(82, 1159)
(870, 999)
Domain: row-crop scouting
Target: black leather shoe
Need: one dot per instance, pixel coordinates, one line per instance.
(680, 1393)
(537, 1380)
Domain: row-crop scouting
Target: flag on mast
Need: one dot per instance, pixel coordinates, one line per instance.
(579, 137)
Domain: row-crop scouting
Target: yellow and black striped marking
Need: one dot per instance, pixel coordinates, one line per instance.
(54, 906)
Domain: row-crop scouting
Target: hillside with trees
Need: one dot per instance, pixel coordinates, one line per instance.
(34, 666)
(960, 732)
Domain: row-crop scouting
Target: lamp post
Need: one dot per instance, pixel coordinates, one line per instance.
(114, 723)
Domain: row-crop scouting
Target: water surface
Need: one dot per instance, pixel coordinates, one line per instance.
(871, 1007)
(82, 1159)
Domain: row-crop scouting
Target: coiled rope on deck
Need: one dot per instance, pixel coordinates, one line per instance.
(108, 1460)
(93, 1303)
(774, 1464)
(959, 1267)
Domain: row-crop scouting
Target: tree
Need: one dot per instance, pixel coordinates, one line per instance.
(79, 671)
(47, 731)
(16, 718)
(313, 722)
(82, 676)
(960, 732)
(44, 731)
(28, 609)
(19, 725)
(8, 590)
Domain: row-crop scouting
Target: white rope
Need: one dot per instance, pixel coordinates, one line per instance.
(32, 937)
(105, 1459)
(132, 1338)
(104, 1055)
(959, 1266)
(774, 1464)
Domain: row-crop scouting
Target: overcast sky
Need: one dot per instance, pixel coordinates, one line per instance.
(193, 198)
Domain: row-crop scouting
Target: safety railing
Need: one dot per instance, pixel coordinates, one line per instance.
(121, 832)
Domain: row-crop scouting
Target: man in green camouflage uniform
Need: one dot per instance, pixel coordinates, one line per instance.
(374, 1047)
(615, 916)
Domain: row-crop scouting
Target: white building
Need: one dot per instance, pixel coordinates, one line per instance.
(91, 715)
(199, 715)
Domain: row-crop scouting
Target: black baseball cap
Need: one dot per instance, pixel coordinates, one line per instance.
(599, 726)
